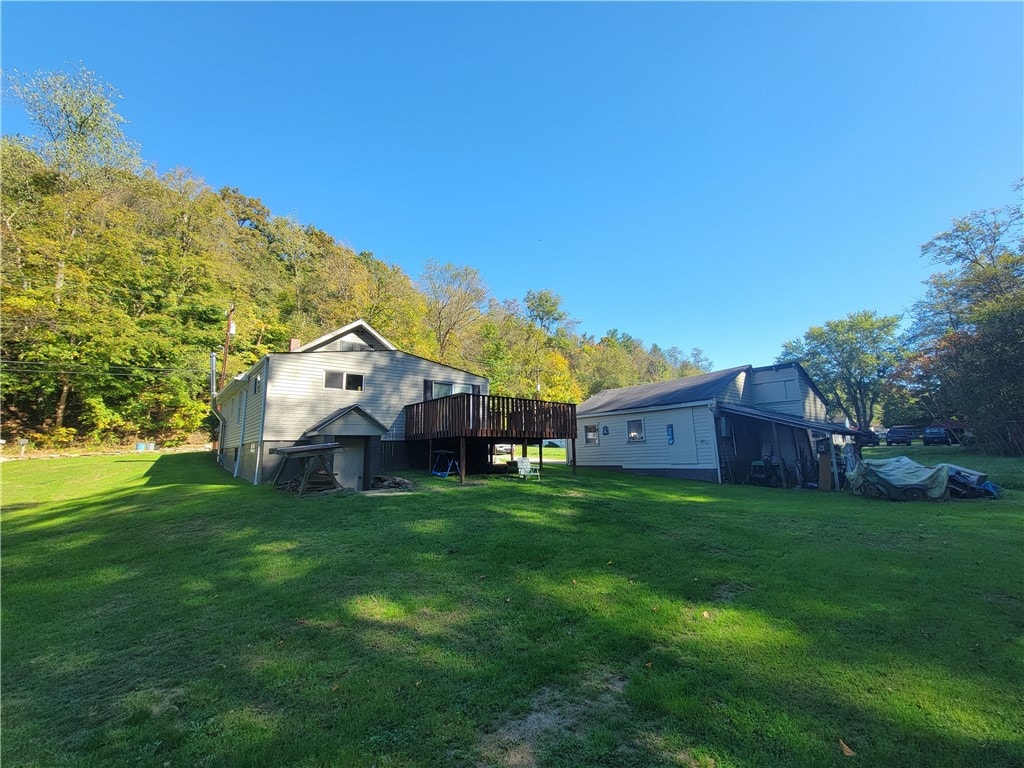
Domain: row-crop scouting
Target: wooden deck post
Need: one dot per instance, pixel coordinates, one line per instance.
(574, 455)
(462, 459)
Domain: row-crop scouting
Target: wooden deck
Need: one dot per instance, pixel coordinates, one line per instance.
(502, 419)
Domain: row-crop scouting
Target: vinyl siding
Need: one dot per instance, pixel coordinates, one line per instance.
(297, 398)
(693, 446)
(736, 391)
(785, 390)
(244, 406)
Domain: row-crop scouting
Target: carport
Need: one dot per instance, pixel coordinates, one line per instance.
(748, 434)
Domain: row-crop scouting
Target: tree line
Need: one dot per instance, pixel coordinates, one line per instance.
(117, 281)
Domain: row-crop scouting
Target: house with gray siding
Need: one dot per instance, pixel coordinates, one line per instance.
(348, 389)
(710, 427)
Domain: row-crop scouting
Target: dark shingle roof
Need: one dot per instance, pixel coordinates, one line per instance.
(690, 389)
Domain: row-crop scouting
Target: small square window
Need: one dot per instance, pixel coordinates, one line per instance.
(590, 435)
(354, 382)
(635, 431)
(334, 380)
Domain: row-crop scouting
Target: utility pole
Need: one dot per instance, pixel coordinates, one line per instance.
(228, 333)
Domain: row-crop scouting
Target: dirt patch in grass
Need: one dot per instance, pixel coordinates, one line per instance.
(656, 743)
(728, 591)
(554, 715)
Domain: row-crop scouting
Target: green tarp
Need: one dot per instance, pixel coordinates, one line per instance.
(903, 478)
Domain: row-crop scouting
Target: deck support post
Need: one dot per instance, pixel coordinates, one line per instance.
(462, 459)
(574, 455)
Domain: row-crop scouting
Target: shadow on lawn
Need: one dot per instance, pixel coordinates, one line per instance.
(465, 626)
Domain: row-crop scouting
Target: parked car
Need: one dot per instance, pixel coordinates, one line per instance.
(866, 437)
(938, 436)
(899, 436)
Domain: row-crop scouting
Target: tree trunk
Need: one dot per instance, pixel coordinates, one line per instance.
(62, 403)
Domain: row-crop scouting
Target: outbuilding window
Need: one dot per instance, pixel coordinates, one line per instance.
(590, 435)
(635, 431)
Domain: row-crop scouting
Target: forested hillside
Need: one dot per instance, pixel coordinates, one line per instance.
(118, 282)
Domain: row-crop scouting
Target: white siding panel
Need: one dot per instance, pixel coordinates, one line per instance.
(297, 398)
(778, 391)
(693, 447)
(786, 390)
(736, 392)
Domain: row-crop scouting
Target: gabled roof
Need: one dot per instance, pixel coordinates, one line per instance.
(359, 328)
(345, 414)
(691, 389)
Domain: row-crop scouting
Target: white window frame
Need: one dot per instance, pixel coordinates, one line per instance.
(591, 439)
(455, 387)
(640, 436)
(345, 380)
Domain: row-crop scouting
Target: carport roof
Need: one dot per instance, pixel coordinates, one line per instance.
(787, 419)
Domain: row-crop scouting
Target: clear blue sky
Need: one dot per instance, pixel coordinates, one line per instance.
(719, 175)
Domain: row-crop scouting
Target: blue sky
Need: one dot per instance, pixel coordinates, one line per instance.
(713, 175)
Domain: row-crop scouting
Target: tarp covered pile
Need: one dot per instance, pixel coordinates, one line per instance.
(902, 479)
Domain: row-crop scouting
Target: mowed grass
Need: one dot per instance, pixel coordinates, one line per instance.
(157, 612)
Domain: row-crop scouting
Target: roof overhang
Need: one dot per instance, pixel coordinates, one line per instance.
(827, 427)
(648, 409)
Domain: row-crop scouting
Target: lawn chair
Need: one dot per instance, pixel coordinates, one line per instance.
(526, 470)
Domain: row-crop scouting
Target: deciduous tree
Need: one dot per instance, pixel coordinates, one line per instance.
(850, 360)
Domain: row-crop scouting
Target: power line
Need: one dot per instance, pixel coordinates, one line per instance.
(111, 368)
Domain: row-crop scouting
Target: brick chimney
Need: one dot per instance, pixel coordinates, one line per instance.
(294, 344)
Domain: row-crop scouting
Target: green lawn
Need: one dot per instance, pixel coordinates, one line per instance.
(157, 612)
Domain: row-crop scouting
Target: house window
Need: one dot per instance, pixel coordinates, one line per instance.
(444, 388)
(635, 431)
(257, 383)
(341, 380)
(590, 436)
(334, 380)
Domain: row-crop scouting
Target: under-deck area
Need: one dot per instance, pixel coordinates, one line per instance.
(471, 425)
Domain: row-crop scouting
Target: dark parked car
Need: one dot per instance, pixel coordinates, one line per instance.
(938, 436)
(898, 436)
(866, 437)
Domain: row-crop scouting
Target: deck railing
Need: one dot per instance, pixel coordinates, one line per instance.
(510, 418)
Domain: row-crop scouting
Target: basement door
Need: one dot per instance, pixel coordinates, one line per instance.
(348, 462)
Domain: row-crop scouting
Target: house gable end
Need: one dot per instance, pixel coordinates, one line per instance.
(354, 336)
(351, 420)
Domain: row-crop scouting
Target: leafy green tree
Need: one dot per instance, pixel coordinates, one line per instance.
(849, 360)
(388, 299)
(80, 130)
(545, 309)
(455, 297)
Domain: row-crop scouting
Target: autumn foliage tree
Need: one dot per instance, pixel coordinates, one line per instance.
(969, 328)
